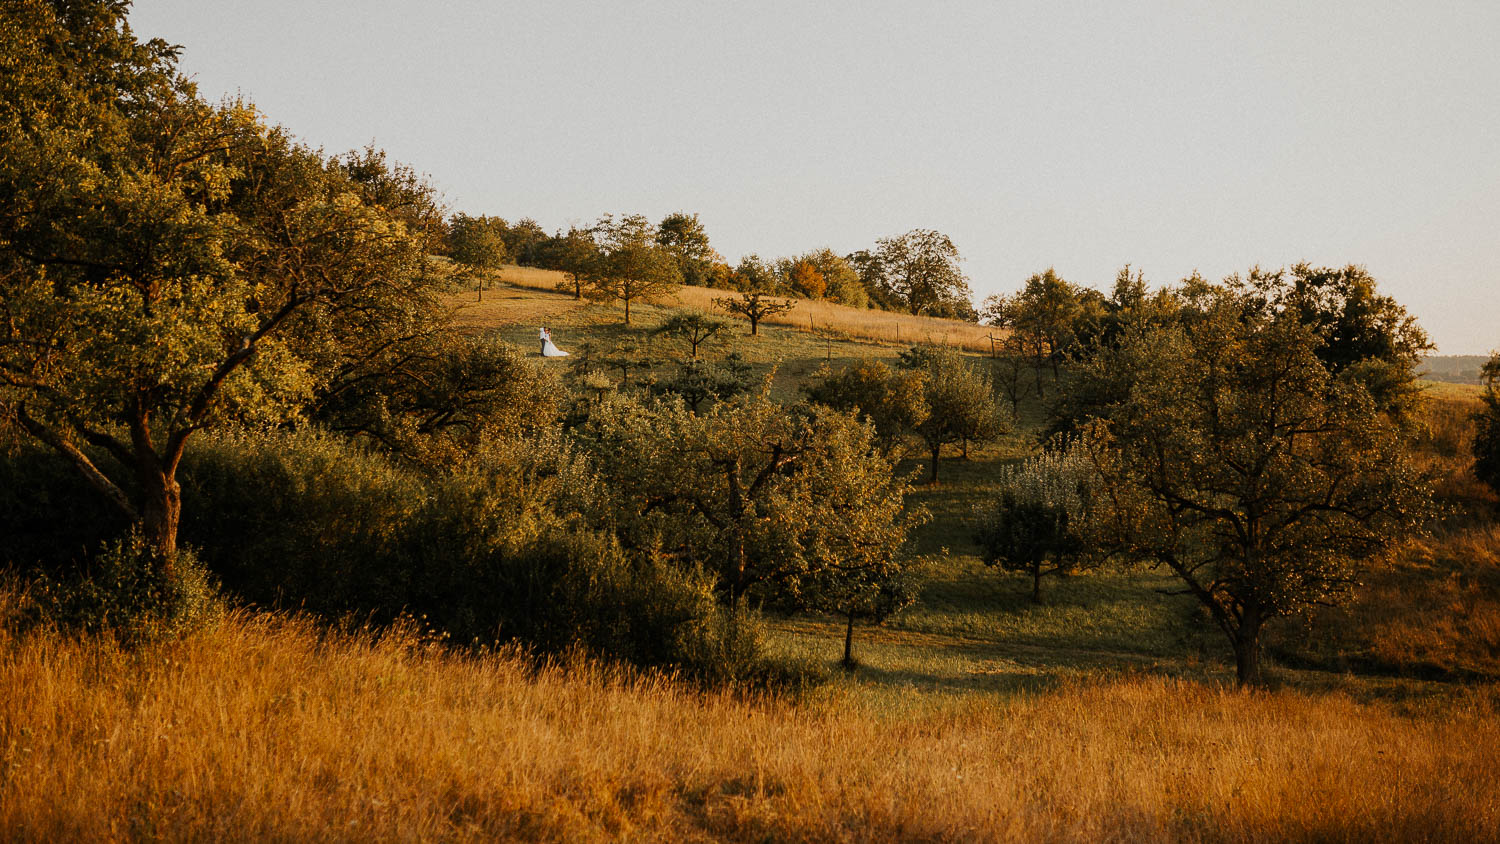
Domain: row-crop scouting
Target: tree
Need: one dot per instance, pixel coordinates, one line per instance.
(575, 254)
(699, 381)
(920, 270)
(804, 278)
(682, 235)
(1042, 317)
(754, 307)
(893, 403)
(1486, 446)
(168, 266)
(960, 401)
(1366, 336)
(633, 266)
(694, 328)
(1238, 461)
(769, 499)
(1037, 525)
(477, 244)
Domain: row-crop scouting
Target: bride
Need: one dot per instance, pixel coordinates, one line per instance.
(548, 349)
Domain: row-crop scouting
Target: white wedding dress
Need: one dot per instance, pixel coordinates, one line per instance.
(549, 350)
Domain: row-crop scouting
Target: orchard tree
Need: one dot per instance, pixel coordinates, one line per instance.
(1039, 523)
(693, 328)
(920, 270)
(1239, 462)
(756, 282)
(575, 255)
(894, 403)
(168, 266)
(959, 401)
(771, 500)
(698, 382)
(632, 266)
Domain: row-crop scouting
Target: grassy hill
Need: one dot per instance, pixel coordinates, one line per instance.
(974, 629)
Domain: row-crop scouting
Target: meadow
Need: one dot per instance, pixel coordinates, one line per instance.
(1108, 712)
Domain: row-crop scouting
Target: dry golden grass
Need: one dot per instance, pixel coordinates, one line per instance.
(267, 728)
(811, 314)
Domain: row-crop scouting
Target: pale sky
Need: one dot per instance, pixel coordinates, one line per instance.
(1174, 136)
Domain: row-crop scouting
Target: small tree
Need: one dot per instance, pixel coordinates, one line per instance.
(699, 381)
(477, 244)
(769, 499)
(960, 401)
(755, 307)
(1037, 526)
(894, 402)
(694, 328)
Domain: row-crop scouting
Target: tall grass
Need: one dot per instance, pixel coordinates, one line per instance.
(813, 315)
(270, 728)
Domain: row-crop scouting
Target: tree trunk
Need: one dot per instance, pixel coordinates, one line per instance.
(162, 510)
(936, 450)
(754, 326)
(1036, 585)
(1246, 642)
(849, 644)
(627, 310)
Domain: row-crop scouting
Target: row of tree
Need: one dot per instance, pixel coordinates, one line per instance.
(626, 258)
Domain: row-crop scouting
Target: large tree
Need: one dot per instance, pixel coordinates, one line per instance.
(920, 270)
(1240, 463)
(683, 235)
(167, 265)
(632, 266)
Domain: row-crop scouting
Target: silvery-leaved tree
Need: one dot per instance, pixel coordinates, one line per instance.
(167, 265)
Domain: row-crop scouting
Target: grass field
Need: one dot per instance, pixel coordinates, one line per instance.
(268, 728)
(810, 315)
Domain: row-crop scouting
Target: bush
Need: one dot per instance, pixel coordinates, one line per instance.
(133, 592)
(484, 554)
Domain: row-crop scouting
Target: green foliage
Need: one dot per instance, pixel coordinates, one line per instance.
(699, 381)
(477, 244)
(434, 400)
(1240, 463)
(632, 266)
(765, 498)
(1486, 447)
(485, 553)
(960, 401)
(167, 265)
(893, 402)
(920, 270)
(133, 591)
(693, 328)
(682, 235)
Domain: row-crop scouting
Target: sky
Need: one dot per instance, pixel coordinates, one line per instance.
(1172, 136)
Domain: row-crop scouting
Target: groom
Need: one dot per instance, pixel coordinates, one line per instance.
(543, 335)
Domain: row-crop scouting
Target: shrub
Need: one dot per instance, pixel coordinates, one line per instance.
(133, 592)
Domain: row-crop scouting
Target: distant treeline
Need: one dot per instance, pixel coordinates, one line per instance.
(917, 272)
(1454, 369)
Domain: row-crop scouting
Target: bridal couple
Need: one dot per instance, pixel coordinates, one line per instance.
(548, 349)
